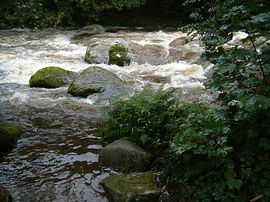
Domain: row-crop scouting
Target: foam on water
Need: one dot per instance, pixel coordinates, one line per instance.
(25, 52)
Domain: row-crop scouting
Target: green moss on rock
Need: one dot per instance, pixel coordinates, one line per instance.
(125, 156)
(130, 188)
(4, 195)
(118, 55)
(9, 135)
(51, 77)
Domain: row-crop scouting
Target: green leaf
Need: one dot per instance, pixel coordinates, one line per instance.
(255, 102)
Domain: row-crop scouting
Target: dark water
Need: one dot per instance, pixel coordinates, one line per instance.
(56, 159)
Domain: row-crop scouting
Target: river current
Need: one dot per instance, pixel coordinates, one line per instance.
(56, 159)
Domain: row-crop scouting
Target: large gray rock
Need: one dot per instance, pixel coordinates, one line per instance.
(97, 53)
(51, 77)
(97, 80)
(131, 188)
(9, 135)
(125, 156)
(5, 195)
(152, 54)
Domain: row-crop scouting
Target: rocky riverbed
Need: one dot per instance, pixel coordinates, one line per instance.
(56, 158)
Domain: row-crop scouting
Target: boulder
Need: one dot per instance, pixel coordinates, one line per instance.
(88, 31)
(134, 51)
(130, 188)
(96, 80)
(178, 43)
(118, 55)
(5, 195)
(125, 156)
(175, 55)
(9, 135)
(51, 77)
(152, 54)
(97, 53)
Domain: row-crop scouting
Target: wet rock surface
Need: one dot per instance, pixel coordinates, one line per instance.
(5, 195)
(125, 156)
(130, 188)
(96, 80)
(9, 134)
(51, 77)
(118, 55)
(88, 31)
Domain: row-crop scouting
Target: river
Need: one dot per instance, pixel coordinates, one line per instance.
(56, 159)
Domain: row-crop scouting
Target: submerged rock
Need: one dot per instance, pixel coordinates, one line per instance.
(125, 156)
(89, 31)
(118, 55)
(130, 188)
(9, 135)
(153, 54)
(179, 42)
(51, 77)
(5, 195)
(96, 80)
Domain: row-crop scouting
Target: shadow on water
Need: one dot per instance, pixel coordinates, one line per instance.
(56, 159)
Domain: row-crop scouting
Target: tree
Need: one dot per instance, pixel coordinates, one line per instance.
(49, 13)
(241, 75)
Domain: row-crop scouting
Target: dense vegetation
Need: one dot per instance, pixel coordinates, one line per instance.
(52, 13)
(77, 13)
(212, 154)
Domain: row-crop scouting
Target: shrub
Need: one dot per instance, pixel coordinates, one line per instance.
(144, 118)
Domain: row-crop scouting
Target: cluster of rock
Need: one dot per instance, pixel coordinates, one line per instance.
(128, 51)
(136, 184)
(121, 155)
(91, 80)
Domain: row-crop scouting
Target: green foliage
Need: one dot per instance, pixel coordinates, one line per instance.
(201, 131)
(49, 13)
(213, 155)
(241, 76)
(143, 118)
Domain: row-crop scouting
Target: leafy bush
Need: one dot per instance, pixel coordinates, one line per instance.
(143, 118)
(214, 155)
(50, 13)
(241, 76)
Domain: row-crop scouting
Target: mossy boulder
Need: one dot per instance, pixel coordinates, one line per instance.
(125, 156)
(118, 55)
(131, 188)
(96, 80)
(51, 77)
(9, 135)
(5, 195)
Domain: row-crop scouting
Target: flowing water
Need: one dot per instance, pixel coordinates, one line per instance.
(56, 159)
